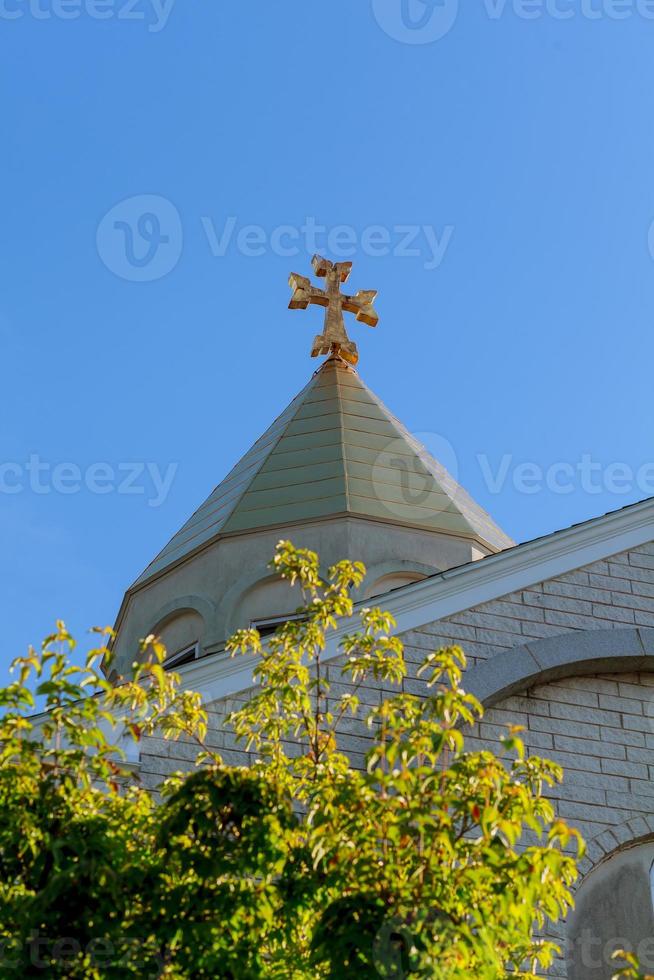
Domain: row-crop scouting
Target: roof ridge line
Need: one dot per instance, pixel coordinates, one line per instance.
(450, 487)
(346, 477)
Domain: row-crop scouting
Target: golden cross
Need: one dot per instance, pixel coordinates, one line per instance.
(334, 338)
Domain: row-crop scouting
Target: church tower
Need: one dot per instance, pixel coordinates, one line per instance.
(337, 473)
(559, 630)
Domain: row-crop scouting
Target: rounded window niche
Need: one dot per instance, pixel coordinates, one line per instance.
(182, 631)
(392, 581)
(269, 598)
(614, 910)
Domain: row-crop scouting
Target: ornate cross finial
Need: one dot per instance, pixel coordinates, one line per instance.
(334, 338)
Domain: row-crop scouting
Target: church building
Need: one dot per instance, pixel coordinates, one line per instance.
(559, 631)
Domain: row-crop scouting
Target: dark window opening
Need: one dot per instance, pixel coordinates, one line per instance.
(267, 627)
(182, 657)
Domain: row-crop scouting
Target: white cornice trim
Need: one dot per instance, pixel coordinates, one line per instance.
(461, 588)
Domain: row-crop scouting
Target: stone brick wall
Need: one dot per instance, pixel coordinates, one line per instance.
(614, 593)
(600, 730)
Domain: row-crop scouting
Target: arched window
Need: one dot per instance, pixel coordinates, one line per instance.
(614, 910)
(182, 633)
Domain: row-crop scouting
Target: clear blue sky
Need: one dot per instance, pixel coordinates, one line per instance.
(525, 148)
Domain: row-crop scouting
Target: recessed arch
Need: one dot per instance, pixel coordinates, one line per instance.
(614, 908)
(236, 607)
(229, 615)
(413, 570)
(575, 653)
(637, 830)
(188, 603)
(183, 622)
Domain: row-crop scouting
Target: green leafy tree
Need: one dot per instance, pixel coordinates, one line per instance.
(300, 866)
(631, 968)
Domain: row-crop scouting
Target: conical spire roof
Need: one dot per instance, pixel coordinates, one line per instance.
(336, 450)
